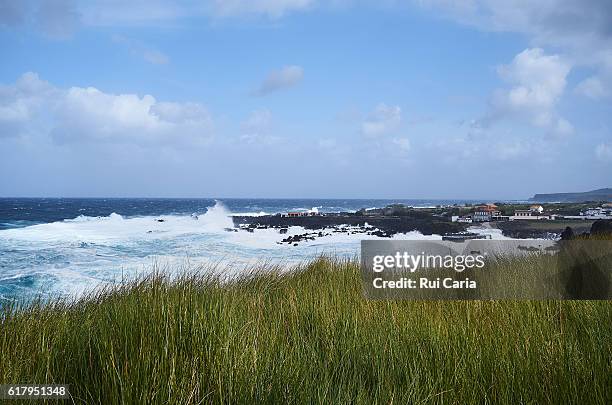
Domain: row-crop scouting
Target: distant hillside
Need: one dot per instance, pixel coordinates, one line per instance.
(603, 194)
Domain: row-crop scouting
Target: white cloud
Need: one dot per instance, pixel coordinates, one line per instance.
(580, 28)
(381, 129)
(538, 82)
(603, 152)
(540, 78)
(21, 102)
(269, 8)
(89, 115)
(286, 77)
(383, 120)
(59, 18)
(592, 87)
(556, 22)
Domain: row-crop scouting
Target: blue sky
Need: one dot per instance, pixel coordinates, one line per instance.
(305, 98)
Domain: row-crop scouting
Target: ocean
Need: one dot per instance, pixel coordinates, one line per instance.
(53, 247)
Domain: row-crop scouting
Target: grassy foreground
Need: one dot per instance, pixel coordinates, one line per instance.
(303, 337)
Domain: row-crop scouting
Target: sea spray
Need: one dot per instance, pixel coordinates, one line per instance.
(217, 218)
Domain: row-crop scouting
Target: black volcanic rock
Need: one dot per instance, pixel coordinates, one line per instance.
(387, 225)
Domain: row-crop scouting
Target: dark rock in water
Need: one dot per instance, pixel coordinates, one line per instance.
(601, 227)
(161, 220)
(230, 229)
(283, 230)
(379, 233)
(295, 239)
(463, 236)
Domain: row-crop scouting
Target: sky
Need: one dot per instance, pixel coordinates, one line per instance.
(305, 98)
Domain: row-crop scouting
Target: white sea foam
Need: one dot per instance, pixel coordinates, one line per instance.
(84, 218)
(494, 233)
(217, 218)
(116, 228)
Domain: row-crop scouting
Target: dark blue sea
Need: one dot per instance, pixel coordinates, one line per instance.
(67, 246)
(20, 212)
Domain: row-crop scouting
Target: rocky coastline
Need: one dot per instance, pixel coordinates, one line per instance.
(376, 223)
(399, 219)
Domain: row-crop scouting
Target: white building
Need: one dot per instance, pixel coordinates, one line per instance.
(485, 213)
(597, 213)
(536, 209)
(299, 214)
(465, 220)
(532, 213)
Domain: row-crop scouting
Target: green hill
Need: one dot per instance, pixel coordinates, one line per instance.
(602, 194)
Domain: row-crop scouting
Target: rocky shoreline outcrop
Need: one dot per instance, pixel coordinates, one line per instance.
(347, 223)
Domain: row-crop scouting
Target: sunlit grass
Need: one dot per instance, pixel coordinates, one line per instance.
(306, 336)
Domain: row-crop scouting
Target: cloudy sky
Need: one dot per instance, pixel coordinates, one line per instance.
(305, 98)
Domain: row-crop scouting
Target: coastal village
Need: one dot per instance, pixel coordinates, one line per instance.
(491, 212)
(453, 221)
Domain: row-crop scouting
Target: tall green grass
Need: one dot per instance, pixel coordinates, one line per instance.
(306, 336)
